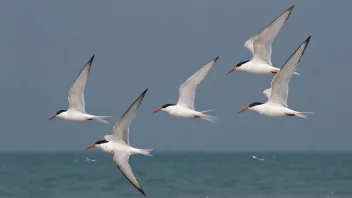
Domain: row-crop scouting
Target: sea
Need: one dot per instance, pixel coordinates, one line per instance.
(178, 175)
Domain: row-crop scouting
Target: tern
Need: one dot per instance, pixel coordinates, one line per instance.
(260, 46)
(276, 106)
(118, 144)
(187, 93)
(76, 111)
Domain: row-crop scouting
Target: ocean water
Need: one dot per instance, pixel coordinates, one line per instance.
(177, 175)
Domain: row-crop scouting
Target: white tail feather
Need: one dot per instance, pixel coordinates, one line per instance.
(301, 114)
(101, 119)
(207, 117)
(207, 111)
(145, 151)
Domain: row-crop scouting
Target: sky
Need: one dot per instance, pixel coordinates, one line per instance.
(157, 45)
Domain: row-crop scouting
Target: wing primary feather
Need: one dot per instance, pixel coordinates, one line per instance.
(304, 44)
(76, 93)
(289, 9)
(139, 98)
(88, 64)
(121, 128)
(280, 83)
(139, 189)
(262, 43)
(187, 91)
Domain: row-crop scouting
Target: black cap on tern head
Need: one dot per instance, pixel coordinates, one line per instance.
(59, 112)
(241, 63)
(255, 104)
(167, 105)
(101, 141)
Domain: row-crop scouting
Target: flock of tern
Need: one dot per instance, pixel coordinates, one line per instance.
(259, 45)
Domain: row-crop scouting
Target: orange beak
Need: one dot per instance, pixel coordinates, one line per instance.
(157, 111)
(52, 117)
(232, 70)
(90, 147)
(243, 110)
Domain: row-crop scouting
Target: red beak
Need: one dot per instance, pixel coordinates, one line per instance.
(52, 117)
(90, 147)
(157, 111)
(243, 110)
(232, 70)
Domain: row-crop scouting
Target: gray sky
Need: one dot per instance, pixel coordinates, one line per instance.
(157, 45)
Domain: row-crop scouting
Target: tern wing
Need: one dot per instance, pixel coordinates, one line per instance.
(187, 91)
(108, 137)
(76, 93)
(121, 160)
(279, 84)
(121, 128)
(267, 93)
(262, 45)
(249, 44)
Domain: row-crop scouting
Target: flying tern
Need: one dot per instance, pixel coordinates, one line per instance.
(76, 111)
(260, 46)
(276, 106)
(118, 144)
(187, 93)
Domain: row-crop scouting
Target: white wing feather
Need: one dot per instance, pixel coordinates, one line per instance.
(262, 44)
(121, 128)
(249, 44)
(121, 159)
(187, 91)
(267, 93)
(76, 93)
(108, 137)
(279, 84)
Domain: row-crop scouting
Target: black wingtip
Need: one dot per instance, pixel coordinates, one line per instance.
(215, 59)
(308, 39)
(145, 91)
(142, 191)
(291, 7)
(91, 59)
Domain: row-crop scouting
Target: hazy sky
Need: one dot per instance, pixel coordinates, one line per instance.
(157, 45)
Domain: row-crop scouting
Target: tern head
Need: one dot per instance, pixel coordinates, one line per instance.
(97, 144)
(58, 114)
(238, 66)
(254, 106)
(165, 107)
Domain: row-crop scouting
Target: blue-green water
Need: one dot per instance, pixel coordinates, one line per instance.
(181, 175)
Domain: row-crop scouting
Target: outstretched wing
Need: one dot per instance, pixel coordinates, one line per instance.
(121, 160)
(187, 91)
(76, 93)
(279, 84)
(121, 128)
(262, 45)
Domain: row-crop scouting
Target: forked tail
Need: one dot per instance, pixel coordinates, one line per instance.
(302, 114)
(145, 151)
(207, 117)
(101, 119)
